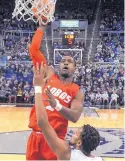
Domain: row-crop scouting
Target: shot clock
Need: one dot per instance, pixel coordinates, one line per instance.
(68, 38)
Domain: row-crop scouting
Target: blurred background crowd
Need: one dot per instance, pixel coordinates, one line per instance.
(101, 77)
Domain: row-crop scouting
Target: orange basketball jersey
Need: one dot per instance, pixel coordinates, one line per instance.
(65, 93)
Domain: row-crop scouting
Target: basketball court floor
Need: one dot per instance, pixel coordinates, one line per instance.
(14, 132)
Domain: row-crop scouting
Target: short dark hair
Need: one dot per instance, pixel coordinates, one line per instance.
(90, 138)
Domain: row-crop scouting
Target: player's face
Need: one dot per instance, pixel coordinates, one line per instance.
(67, 66)
(76, 137)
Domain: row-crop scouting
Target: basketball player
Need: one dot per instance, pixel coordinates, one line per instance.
(85, 139)
(63, 101)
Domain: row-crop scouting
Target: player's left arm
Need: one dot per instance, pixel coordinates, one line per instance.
(74, 112)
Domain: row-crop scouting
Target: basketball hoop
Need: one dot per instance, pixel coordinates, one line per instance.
(41, 11)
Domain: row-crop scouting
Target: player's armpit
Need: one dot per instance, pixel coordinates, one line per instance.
(60, 147)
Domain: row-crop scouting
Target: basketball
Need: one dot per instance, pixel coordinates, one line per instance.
(34, 10)
(41, 6)
(38, 5)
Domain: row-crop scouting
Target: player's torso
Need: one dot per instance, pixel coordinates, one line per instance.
(65, 93)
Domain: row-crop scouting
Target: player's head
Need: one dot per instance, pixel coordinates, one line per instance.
(86, 138)
(67, 66)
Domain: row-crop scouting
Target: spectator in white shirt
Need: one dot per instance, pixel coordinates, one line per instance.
(105, 99)
(114, 98)
(116, 60)
(102, 27)
(92, 98)
(99, 47)
(98, 98)
(101, 60)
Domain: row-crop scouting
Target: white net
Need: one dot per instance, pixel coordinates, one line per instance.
(37, 10)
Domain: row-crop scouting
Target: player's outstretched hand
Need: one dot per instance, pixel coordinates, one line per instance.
(50, 99)
(39, 75)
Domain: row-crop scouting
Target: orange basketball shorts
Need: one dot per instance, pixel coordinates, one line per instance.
(38, 149)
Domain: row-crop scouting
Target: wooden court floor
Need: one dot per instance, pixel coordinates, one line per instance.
(16, 119)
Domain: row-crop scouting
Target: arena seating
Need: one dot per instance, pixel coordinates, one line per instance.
(16, 81)
(83, 10)
(110, 48)
(112, 16)
(16, 47)
(74, 10)
(94, 79)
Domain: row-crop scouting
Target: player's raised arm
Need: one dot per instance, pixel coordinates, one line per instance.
(58, 146)
(34, 49)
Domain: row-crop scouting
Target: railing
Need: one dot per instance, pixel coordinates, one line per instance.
(107, 64)
(117, 32)
(87, 107)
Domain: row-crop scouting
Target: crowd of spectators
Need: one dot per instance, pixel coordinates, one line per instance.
(6, 21)
(16, 47)
(101, 84)
(112, 16)
(97, 82)
(76, 9)
(110, 48)
(16, 83)
(65, 10)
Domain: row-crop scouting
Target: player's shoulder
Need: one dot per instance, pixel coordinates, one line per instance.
(74, 88)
